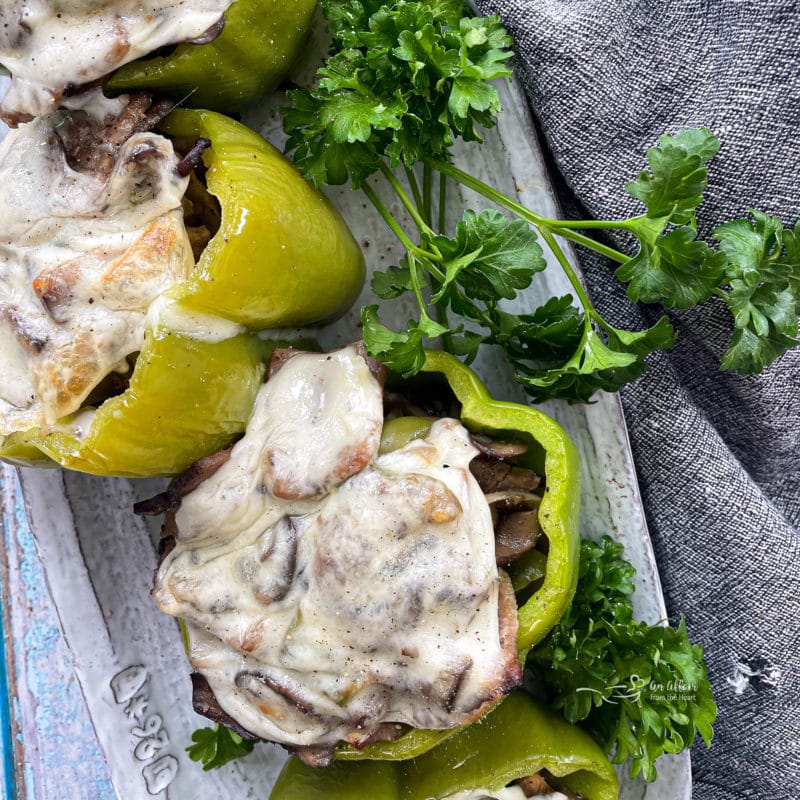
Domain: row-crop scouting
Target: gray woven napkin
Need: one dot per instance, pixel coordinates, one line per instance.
(718, 454)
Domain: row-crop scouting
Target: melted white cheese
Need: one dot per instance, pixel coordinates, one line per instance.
(81, 261)
(50, 45)
(165, 312)
(372, 598)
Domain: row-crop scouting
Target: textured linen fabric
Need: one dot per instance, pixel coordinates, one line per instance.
(717, 453)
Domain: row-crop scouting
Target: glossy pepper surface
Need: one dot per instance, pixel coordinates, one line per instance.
(550, 453)
(253, 53)
(515, 740)
(189, 395)
(283, 256)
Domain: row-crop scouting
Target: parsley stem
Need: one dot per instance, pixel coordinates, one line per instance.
(438, 309)
(531, 216)
(412, 269)
(414, 184)
(608, 224)
(393, 224)
(441, 313)
(580, 291)
(442, 203)
(405, 200)
(427, 205)
(588, 242)
(487, 191)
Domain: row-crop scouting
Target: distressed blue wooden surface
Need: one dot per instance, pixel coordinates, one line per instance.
(50, 750)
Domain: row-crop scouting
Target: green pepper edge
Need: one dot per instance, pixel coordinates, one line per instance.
(107, 448)
(241, 73)
(513, 741)
(344, 281)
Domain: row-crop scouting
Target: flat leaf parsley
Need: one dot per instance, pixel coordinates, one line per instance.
(402, 82)
(215, 747)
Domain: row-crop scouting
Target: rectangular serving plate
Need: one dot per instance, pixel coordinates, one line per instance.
(99, 558)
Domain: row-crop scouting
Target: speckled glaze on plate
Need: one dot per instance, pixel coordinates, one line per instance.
(99, 558)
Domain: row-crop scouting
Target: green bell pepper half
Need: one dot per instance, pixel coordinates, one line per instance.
(257, 47)
(183, 394)
(516, 739)
(283, 255)
(550, 453)
(279, 241)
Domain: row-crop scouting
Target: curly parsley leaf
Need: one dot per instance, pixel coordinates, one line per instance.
(756, 268)
(641, 690)
(676, 269)
(544, 338)
(401, 351)
(216, 746)
(763, 272)
(488, 258)
(791, 244)
(598, 364)
(672, 267)
(392, 282)
(329, 162)
(402, 82)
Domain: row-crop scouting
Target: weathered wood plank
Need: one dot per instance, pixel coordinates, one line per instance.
(55, 751)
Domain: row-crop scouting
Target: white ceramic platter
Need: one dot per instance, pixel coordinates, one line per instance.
(99, 558)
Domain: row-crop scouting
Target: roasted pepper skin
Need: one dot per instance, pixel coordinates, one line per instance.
(551, 453)
(516, 739)
(257, 47)
(185, 395)
(279, 241)
(283, 256)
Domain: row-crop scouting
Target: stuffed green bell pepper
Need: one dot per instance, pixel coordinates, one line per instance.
(253, 53)
(227, 51)
(361, 574)
(133, 284)
(516, 751)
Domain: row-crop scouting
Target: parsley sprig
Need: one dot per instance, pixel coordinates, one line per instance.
(402, 82)
(215, 747)
(641, 690)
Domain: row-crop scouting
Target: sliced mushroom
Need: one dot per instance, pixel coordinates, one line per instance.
(316, 757)
(498, 476)
(506, 501)
(193, 156)
(32, 336)
(516, 523)
(427, 406)
(210, 34)
(266, 684)
(91, 146)
(533, 785)
(385, 732)
(515, 535)
(498, 448)
(508, 624)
